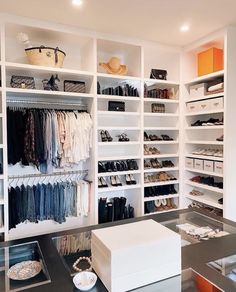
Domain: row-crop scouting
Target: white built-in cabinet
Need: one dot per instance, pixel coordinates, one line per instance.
(84, 50)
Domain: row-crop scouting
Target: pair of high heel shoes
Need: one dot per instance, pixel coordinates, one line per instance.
(150, 150)
(114, 166)
(105, 136)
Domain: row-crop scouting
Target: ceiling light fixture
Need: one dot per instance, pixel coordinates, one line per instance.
(184, 28)
(77, 2)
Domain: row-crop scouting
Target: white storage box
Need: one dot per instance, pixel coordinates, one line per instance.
(208, 165)
(189, 163)
(132, 255)
(204, 105)
(217, 103)
(193, 107)
(198, 164)
(218, 167)
(197, 90)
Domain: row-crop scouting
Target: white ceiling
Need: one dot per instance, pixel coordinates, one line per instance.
(156, 20)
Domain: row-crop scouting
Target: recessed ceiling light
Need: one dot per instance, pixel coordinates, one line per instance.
(184, 28)
(77, 2)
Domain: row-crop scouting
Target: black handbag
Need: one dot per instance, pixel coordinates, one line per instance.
(158, 74)
(23, 82)
(74, 86)
(116, 106)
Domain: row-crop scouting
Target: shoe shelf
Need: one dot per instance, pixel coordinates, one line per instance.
(209, 112)
(118, 128)
(161, 115)
(109, 158)
(119, 188)
(205, 128)
(205, 172)
(214, 158)
(161, 128)
(207, 199)
(118, 143)
(160, 212)
(202, 142)
(161, 183)
(150, 170)
(119, 173)
(113, 113)
(117, 97)
(205, 187)
(167, 83)
(205, 97)
(161, 100)
(205, 78)
(154, 198)
(161, 156)
(165, 142)
(112, 76)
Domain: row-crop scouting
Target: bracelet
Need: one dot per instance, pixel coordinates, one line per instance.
(82, 259)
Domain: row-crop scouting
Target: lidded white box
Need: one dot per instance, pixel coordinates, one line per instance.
(193, 107)
(208, 165)
(189, 162)
(197, 90)
(217, 103)
(205, 105)
(132, 255)
(218, 167)
(198, 164)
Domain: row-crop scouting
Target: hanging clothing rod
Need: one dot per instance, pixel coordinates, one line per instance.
(46, 103)
(48, 174)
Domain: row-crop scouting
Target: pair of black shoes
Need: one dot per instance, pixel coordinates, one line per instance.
(114, 166)
(159, 191)
(114, 210)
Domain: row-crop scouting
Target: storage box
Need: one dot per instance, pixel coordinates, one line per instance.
(189, 163)
(217, 103)
(218, 167)
(205, 105)
(197, 90)
(210, 61)
(133, 255)
(208, 165)
(193, 107)
(198, 164)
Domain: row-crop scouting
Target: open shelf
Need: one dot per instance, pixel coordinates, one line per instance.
(118, 113)
(118, 143)
(121, 188)
(205, 142)
(205, 128)
(119, 173)
(205, 172)
(207, 199)
(160, 115)
(205, 78)
(150, 170)
(214, 158)
(117, 97)
(209, 96)
(161, 183)
(112, 76)
(160, 212)
(205, 187)
(209, 112)
(161, 156)
(161, 142)
(161, 100)
(110, 158)
(148, 199)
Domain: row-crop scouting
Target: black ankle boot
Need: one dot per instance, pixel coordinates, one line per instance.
(116, 208)
(102, 211)
(122, 208)
(109, 207)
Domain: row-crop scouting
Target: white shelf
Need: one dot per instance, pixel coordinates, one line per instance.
(161, 183)
(118, 113)
(160, 115)
(124, 128)
(207, 199)
(209, 112)
(205, 97)
(2, 230)
(18, 67)
(121, 188)
(44, 93)
(205, 187)
(112, 158)
(161, 142)
(160, 212)
(150, 170)
(161, 100)
(161, 156)
(117, 97)
(205, 78)
(205, 142)
(221, 127)
(214, 158)
(118, 143)
(100, 174)
(205, 172)
(161, 128)
(112, 76)
(148, 199)
(161, 82)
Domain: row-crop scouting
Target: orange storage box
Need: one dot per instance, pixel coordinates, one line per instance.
(210, 61)
(204, 286)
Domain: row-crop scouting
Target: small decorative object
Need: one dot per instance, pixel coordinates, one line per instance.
(158, 74)
(24, 270)
(51, 84)
(23, 82)
(74, 86)
(76, 263)
(85, 280)
(114, 67)
(116, 106)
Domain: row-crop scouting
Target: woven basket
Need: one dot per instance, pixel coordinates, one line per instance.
(45, 56)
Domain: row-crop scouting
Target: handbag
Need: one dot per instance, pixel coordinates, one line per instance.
(158, 74)
(23, 82)
(116, 106)
(74, 86)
